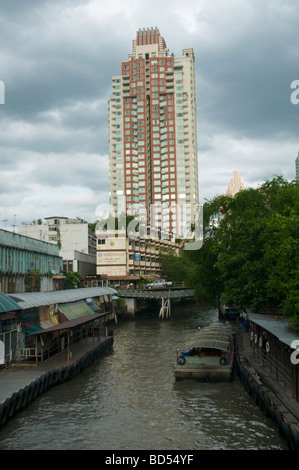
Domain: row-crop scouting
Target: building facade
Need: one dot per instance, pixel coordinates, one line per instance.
(74, 238)
(153, 133)
(124, 258)
(27, 264)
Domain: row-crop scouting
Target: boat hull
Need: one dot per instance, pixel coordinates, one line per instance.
(203, 374)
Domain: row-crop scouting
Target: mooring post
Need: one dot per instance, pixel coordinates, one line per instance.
(165, 308)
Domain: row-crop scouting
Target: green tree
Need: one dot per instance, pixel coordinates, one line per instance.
(72, 280)
(175, 267)
(238, 248)
(250, 249)
(281, 247)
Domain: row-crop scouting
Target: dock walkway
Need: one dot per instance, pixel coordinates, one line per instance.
(22, 383)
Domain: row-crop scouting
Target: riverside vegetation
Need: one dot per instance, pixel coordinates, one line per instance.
(250, 252)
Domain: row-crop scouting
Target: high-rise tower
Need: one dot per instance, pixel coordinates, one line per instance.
(235, 185)
(153, 131)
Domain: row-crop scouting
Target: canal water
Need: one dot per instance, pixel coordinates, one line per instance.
(129, 400)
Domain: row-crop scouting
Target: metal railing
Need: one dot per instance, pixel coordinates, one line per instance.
(276, 368)
(28, 353)
(265, 359)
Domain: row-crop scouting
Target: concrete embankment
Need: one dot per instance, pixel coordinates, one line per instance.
(20, 386)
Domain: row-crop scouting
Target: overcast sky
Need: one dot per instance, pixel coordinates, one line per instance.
(57, 59)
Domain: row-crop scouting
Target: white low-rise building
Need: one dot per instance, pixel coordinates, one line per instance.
(74, 237)
(122, 258)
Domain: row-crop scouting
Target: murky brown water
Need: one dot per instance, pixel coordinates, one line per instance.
(129, 400)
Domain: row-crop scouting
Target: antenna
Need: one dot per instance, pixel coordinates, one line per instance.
(14, 224)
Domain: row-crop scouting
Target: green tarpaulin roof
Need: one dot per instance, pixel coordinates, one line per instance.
(214, 336)
(75, 309)
(7, 304)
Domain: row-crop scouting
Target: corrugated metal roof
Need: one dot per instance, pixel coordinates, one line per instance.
(7, 304)
(75, 310)
(36, 299)
(275, 326)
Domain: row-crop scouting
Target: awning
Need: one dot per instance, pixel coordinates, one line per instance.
(7, 304)
(33, 329)
(68, 325)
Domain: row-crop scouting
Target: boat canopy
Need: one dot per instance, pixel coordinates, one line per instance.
(215, 336)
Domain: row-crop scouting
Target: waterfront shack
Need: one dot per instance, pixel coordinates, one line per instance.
(267, 361)
(49, 322)
(273, 346)
(8, 331)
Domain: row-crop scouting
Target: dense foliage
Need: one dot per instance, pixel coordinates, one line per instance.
(250, 254)
(72, 280)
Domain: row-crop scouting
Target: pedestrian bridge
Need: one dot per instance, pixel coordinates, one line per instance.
(156, 294)
(164, 294)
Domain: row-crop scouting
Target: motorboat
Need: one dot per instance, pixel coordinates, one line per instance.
(207, 356)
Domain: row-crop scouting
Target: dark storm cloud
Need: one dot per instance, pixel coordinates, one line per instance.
(245, 73)
(57, 58)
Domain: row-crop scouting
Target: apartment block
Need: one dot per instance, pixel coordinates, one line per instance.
(153, 133)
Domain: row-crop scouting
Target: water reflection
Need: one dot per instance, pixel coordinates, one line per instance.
(129, 399)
